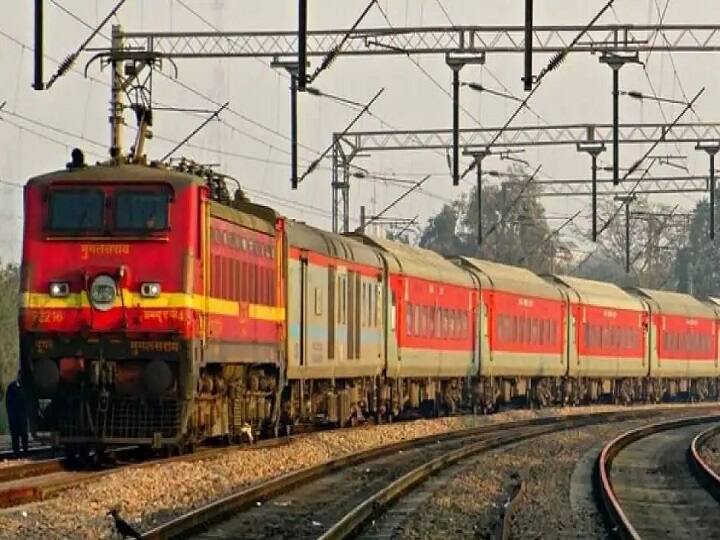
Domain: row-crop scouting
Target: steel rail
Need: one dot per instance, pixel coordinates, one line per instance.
(24, 494)
(611, 505)
(353, 522)
(706, 475)
(33, 450)
(227, 507)
(31, 468)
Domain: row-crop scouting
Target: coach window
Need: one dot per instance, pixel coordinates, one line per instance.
(369, 304)
(409, 319)
(76, 211)
(416, 320)
(318, 301)
(393, 312)
(343, 299)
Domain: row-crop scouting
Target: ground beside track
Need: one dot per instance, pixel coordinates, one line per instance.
(556, 501)
(152, 495)
(659, 495)
(710, 452)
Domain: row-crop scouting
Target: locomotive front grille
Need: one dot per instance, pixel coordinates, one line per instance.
(121, 419)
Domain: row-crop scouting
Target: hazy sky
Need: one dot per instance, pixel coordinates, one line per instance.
(252, 141)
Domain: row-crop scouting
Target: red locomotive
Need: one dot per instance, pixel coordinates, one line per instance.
(158, 310)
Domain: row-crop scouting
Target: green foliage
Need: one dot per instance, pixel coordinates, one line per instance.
(697, 265)
(514, 227)
(9, 347)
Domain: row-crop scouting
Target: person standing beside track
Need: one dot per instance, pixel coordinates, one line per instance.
(17, 416)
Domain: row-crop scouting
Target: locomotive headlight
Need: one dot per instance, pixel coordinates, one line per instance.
(150, 289)
(103, 292)
(59, 289)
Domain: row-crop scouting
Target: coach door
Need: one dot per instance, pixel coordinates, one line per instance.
(332, 285)
(353, 316)
(303, 308)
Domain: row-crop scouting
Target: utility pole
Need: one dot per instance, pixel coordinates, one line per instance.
(627, 201)
(116, 99)
(302, 46)
(38, 83)
(362, 219)
(711, 148)
(616, 61)
(456, 61)
(528, 78)
(293, 69)
(478, 156)
(594, 148)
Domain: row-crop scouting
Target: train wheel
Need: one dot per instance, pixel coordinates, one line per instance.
(98, 456)
(71, 456)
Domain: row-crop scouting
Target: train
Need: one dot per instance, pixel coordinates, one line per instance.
(157, 309)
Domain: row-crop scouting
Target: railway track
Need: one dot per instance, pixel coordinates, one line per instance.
(646, 483)
(339, 498)
(706, 475)
(38, 480)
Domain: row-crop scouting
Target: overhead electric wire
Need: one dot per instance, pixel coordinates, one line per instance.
(639, 162)
(422, 69)
(49, 127)
(330, 57)
(554, 62)
(676, 75)
(66, 64)
(548, 237)
(506, 212)
(486, 68)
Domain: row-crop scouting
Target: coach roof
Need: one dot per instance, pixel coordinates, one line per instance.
(503, 277)
(673, 303)
(417, 262)
(599, 293)
(303, 236)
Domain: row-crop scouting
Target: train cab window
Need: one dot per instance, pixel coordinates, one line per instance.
(76, 211)
(141, 211)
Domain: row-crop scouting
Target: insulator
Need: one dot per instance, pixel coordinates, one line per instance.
(66, 64)
(556, 60)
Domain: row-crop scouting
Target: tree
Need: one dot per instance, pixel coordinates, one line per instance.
(514, 227)
(657, 235)
(9, 346)
(697, 266)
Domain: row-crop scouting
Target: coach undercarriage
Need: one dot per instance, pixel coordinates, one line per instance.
(492, 392)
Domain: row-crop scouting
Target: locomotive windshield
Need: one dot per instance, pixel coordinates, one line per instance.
(141, 211)
(76, 211)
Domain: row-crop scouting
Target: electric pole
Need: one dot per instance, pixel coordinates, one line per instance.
(711, 148)
(627, 201)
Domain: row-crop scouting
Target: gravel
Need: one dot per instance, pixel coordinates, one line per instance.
(469, 506)
(151, 495)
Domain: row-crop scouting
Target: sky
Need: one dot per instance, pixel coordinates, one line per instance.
(39, 129)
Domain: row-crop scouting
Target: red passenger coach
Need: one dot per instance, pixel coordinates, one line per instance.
(431, 335)
(524, 324)
(522, 334)
(607, 341)
(684, 350)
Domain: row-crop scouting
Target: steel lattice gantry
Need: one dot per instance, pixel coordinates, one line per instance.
(650, 185)
(427, 40)
(523, 136)
(348, 145)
